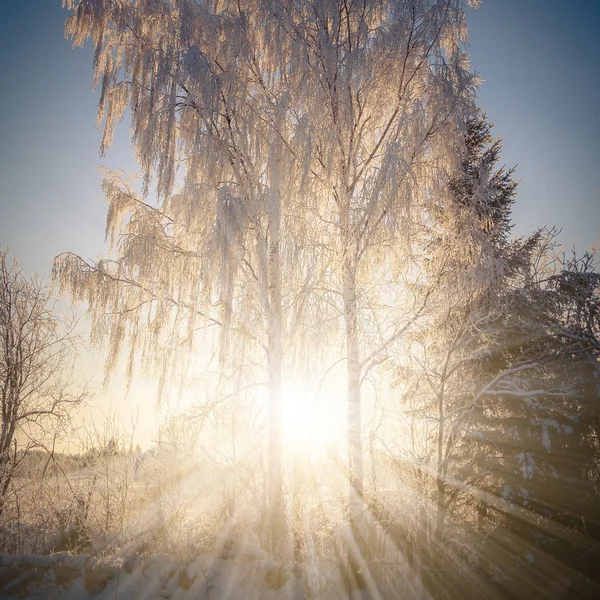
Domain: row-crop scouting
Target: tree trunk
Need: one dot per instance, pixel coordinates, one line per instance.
(5, 479)
(441, 512)
(441, 468)
(356, 515)
(6, 464)
(278, 526)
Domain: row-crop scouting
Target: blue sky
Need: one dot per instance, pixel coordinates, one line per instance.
(50, 198)
(539, 58)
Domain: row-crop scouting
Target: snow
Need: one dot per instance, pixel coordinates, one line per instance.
(252, 573)
(545, 438)
(526, 464)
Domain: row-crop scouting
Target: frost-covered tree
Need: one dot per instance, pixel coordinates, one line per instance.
(528, 486)
(387, 81)
(209, 95)
(496, 379)
(339, 108)
(38, 392)
(460, 278)
(567, 497)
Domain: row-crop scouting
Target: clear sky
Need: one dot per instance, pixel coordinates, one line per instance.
(540, 60)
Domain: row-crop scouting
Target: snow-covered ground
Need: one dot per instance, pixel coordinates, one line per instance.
(249, 574)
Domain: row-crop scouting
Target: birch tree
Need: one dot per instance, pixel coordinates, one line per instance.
(389, 86)
(207, 97)
(341, 110)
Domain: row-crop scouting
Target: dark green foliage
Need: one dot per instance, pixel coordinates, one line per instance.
(482, 187)
(521, 493)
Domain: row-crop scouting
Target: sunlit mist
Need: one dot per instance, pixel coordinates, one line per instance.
(335, 371)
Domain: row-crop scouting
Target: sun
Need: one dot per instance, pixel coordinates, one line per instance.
(311, 422)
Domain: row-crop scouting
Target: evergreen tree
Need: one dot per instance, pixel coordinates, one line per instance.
(506, 362)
